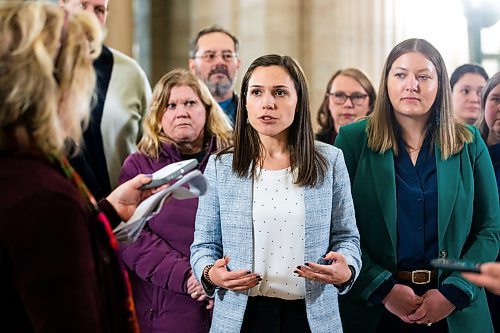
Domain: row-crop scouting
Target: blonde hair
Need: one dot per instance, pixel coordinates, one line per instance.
(445, 130)
(46, 75)
(217, 123)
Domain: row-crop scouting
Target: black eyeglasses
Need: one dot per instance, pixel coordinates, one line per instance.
(340, 98)
(210, 56)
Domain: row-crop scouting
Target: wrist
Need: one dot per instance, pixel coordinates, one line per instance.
(206, 276)
(349, 281)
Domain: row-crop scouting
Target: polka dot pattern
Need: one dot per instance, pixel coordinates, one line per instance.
(278, 220)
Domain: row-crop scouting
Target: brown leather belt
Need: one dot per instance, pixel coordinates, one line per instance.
(419, 276)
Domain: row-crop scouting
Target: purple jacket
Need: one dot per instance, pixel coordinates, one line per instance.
(158, 261)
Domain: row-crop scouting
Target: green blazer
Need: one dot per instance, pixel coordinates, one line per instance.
(468, 225)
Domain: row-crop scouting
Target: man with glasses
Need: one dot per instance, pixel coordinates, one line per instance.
(122, 95)
(213, 57)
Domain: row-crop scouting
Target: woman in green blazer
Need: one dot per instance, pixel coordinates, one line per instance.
(423, 187)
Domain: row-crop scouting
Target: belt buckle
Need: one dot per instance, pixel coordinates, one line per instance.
(420, 271)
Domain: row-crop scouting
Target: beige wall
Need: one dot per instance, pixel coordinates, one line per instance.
(120, 32)
(323, 35)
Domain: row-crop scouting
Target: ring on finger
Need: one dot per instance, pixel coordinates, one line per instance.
(195, 294)
(429, 324)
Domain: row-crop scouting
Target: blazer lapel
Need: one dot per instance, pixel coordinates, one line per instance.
(447, 182)
(384, 179)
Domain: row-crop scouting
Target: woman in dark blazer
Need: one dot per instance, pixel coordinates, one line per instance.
(489, 125)
(423, 187)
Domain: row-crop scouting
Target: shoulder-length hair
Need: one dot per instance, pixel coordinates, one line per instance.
(248, 152)
(445, 130)
(46, 75)
(324, 116)
(217, 124)
(481, 122)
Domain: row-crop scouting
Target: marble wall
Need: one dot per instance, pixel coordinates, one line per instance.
(323, 35)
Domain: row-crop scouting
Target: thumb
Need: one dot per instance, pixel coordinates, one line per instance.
(335, 257)
(418, 314)
(221, 262)
(141, 179)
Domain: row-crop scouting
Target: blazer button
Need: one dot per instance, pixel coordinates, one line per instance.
(443, 254)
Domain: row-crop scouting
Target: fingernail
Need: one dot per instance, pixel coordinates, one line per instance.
(249, 272)
(298, 267)
(149, 175)
(307, 264)
(296, 272)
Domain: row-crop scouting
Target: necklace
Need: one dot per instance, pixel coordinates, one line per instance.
(412, 149)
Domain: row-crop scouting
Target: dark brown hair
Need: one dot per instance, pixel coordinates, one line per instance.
(324, 116)
(309, 163)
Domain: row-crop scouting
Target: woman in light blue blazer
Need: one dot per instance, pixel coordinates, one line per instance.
(275, 237)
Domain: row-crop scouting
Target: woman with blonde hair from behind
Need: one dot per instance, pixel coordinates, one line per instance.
(59, 269)
(184, 122)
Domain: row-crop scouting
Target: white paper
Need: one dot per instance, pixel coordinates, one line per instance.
(130, 230)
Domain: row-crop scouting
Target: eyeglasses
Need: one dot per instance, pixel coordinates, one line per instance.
(210, 56)
(340, 98)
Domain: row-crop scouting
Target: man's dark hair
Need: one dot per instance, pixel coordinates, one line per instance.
(193, 46)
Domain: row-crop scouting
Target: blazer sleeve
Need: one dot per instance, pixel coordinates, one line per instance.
(150, 257)
(207, 243)
(372, 275)
(344, 235)
(482, 243)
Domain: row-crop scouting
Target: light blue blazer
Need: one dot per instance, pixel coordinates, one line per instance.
(224, 227)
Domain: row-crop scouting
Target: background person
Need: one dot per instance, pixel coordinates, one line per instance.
(422, 187)
(122, 97)
(278, 202)
(467, 82)
(59, 270)
(489, 125)
(185, 122)
(349, 96)
(214, 58)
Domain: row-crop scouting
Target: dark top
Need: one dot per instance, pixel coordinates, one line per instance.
(230, 106)
(327, 136)
(417, 218)
(494, 300)
(90, 163)
(58, 272)
(417, 207)
(495, 158)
